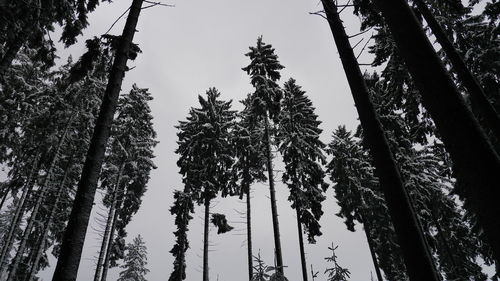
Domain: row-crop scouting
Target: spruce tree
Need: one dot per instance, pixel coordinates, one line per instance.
(135, 261)
(264, 70)
(206, 155)
(302, 150)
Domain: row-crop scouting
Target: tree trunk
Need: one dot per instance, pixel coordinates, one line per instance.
(301, 247)
(41, 246)
(44, 188)
(74, 236)
(274, 209)
(249, 235)
(17, 219)
(415, 250)
(372, 250)
(442, 238)
(468, 80)
(118, 203)
(109, 221)
(12, 50)
(205, 240)
(476, 164)
(4, 197)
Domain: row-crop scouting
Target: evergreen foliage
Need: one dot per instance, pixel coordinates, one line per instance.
(135, 261)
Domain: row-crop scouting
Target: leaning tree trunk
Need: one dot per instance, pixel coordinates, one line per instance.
(107, 258)
(109, 222)
(415, 250)
(249, 235)
(13, 48)
(205, 240)
(44, 188)
(301, 246)
(475, 162)
(17, 218)
(369, 239)
(274, 209)
(468, 80)
(74, 236)
(4, 197)
(41, 246)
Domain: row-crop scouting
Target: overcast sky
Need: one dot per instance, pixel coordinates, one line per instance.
(200, 44)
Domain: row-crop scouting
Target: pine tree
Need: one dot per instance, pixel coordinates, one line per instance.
(416, 253)
(336, 273)
(265, 104)
(302, 150)
(206, 155)
(249, 147)
(135, 261)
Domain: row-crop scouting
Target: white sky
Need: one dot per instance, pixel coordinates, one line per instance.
(200, 44)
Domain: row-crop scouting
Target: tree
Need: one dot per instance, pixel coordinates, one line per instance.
(206, 155)
(135, 261)
(475, 161)
(336, 273)
(265, 103)
(411, 239)
(302, 150)
(182, 208)
(74, 237)
(249, 147)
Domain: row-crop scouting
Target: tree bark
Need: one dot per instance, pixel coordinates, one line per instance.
(4, 197)
(74, 236)
(44, 188)
(17, 219)
(372, 250)
(301, 247)
(475, 162)
(468, 80)
(12, 50)
(41, 246)
(249, 235)
(415, 250)
(274, 209)
(109, 221)
(205, 240)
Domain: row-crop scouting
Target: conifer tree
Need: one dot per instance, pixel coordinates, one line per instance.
(135, 261)
(302, 150)
(265, 104)
(249, 147)
(206, 155)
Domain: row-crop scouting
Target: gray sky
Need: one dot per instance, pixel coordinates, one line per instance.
(200, 44)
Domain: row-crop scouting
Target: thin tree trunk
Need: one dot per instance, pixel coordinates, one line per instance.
(301, 247)
(415, 250)
(74, 236)
(469, 81)
(44, 188)
(249, 235)
(41, 246)
(205, 240)
(475, 162)
(442, 238)
(12, 50)
(118, 204)
(17, 219)
(4, 197)
(274, 209)
(109, 221)
(372, 249)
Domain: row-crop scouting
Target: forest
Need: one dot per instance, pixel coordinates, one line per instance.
(105, 175)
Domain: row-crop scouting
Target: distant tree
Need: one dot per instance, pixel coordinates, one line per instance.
(206, 155)
(135, 261)
(336, 273)
(302, 150)
(264, 70)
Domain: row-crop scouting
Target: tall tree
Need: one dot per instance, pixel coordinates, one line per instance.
(264, 73)
(411, 239)
(135, 261)
(71, 248)
(249, 147)
(302, 150)
(206, 155)
(475, 161)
